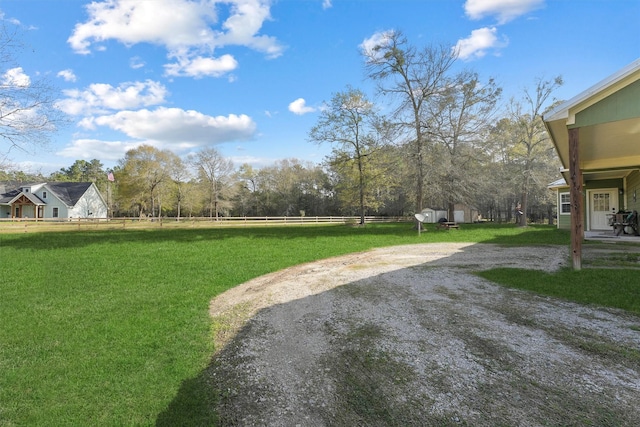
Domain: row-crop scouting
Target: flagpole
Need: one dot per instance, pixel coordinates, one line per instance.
(110, 179)
(109, 213)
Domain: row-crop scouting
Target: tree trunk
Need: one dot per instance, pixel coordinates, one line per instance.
(523, 209)
(361, 172)
(451, 212)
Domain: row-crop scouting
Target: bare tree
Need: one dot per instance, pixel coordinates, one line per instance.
(28, 115)
(532, 140)
(412, 76)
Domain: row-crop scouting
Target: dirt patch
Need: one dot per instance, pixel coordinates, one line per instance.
(409, 336)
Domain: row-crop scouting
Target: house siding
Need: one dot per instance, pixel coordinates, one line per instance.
(91, 205)
(564, 220)
(51, 201)
(88, 201)
(632, 193)
(54, 202)
(621, 105)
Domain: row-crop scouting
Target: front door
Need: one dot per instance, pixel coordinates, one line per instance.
(602, 203)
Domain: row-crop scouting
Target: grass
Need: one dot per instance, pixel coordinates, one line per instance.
(607, 287)
(112, 327)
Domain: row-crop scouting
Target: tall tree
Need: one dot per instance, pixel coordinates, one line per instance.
(28, 116)
(215, 171)
(248, 190)
(143, 172)
(82, 171)
(500, 180)
(458, 118)
(290, 187)
(351, 124)
(412, 76)
(533, 144)
(179, 177)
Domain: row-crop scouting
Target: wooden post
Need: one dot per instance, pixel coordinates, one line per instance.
(577, 214)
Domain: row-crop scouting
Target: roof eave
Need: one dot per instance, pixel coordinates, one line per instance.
(599, 90)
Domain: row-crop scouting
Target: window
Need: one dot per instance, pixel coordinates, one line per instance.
(601, 202)
(565, 204)
(55, 212)
(44, 194)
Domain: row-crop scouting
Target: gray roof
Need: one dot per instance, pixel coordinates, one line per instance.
(68, 192)
(8, 194)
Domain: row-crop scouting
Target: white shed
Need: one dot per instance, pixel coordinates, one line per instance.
(432, 216)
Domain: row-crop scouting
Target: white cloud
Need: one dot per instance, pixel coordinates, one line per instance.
(244, 23)
(326, 4)
(188, 29)
(171, 23)
(100, 97)
(258, 162)
(503, 10)
(16, 77)
(13, 21)
(164, 128)
(67, 75)
(478, 43)
(201, 67)
(97, 149)
(299, 107)
(136, 62)
(179, 129)
(380, 38)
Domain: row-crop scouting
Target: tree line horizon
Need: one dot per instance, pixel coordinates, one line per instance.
(445, 138)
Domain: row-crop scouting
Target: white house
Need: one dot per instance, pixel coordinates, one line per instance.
(49, 200)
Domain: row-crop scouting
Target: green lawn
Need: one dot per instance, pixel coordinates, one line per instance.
(111, 327)
(617, 288)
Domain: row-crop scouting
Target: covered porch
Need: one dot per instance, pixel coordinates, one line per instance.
(24, 205)
(597, 137)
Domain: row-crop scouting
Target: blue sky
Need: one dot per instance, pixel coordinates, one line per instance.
(248, 77)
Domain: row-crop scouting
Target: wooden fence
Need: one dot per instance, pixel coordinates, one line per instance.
(19, 225)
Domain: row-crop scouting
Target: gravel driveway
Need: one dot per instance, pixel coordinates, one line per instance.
(407, 335)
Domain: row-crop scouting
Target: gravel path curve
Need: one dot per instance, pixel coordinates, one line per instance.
(407, 335)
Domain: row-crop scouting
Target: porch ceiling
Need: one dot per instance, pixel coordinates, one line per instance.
(602, 147)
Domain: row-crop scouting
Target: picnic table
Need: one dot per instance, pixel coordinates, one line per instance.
(447, 225)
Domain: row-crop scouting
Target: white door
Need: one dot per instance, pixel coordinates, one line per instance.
(602, 203)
